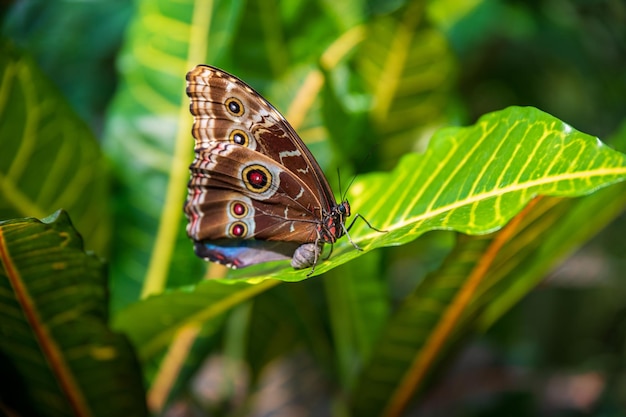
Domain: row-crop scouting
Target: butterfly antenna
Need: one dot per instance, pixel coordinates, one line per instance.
(343, 196)
(339, 181)
(341, 193)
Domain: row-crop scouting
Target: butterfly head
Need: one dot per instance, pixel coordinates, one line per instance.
(344, 209)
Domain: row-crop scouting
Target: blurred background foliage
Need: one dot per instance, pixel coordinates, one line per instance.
(559, 352)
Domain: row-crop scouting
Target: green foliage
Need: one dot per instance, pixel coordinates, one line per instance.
(54, 333)
(474, 217)
(39, 130)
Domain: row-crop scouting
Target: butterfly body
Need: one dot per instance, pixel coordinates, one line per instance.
(256, 193)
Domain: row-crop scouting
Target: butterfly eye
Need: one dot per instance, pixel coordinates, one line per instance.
(239, 137)
(238, 229)
(234, 106)
(257, 178)
(238, 209)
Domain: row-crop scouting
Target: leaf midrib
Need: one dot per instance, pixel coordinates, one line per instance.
(508, 189)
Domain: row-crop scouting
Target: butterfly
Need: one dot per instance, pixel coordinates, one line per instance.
(256, 193)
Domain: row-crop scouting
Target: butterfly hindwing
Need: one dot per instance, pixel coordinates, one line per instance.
(238, 194)
(239, 253)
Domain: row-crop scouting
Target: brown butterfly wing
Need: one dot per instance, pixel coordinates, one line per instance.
(258, 126)
(241, 194)
(256, 193)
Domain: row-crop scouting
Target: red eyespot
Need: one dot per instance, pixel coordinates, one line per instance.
(238, 229)
(239, 209)
(257, 178)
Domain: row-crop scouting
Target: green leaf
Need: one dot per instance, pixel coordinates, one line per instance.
(53, 324)
(475, 179)
(398, 365)
(152, 322)
(147, 137)
(408, 69)
(403, 346)
(472, 180)
(49, 157)
(274, 334)
(565, 224)
(359, 309)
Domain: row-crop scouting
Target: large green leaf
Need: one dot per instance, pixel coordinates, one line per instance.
(447, 304)
(148, 138)
(53, 326)
(565, 224)
(472, 179)
(49, 158)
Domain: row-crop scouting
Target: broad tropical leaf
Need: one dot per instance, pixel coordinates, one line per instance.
(148, 138)
(54, 333)
(49, 158)
(446, 304)
(473, 180)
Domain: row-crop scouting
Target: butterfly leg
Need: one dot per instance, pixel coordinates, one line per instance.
(332, 246)
(347, 229)
(345, 232)
(358, 216)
